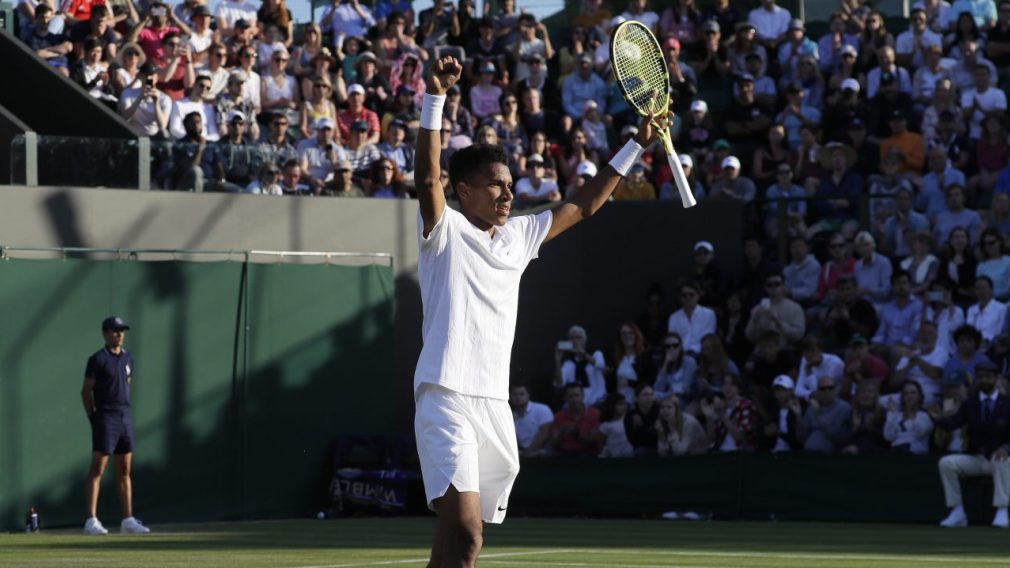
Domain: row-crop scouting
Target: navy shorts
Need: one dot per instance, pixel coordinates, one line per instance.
(112, 432)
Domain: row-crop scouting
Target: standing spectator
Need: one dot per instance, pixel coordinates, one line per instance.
(640, 422)
(780, 429)
(908, 427)
(867, 421)
(317, 156)
(576, 426)
(229, 12)
(731, 420)
(142, 105)
(731, 185)
(195, 103)
(923, 363)
(988, 315)
(581, 86)
(176, 72)
(772, 23)
(911, 45)
(801, 273)
(872, 271)
(679, 433)
(532, 420)
(827, 422)
(995, 262)
(612, 428)
(676, 371)
(987, 418)
(106, 398)
(150, 32)
(776, 313)
(814, 365)
(693, 320)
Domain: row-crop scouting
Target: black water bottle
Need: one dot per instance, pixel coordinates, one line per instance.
(31, 520)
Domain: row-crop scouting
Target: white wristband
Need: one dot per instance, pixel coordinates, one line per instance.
(626, 157)
(431, 112)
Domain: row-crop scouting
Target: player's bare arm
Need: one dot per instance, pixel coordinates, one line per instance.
(442, 74)
(590, 197)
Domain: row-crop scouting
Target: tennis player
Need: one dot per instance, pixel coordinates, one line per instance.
(469, 267)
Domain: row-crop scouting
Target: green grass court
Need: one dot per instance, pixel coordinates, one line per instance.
(518, 543)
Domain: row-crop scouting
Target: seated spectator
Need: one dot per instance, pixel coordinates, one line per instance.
(987, 418)
(361, 153)
(533, 420)
(317, 156)
(577, 153)
(922, 267)
(834, 45)
(709, 57)
(215, 58)
(384, 180)
(899, 318)
(910, 45)
(733, 328)
(714, 366)
(316, 106)
(873, 272)
(785, 412)
(485, 94)
(581, 86)
(795, 45)
(640, 422)
(926, 79)
(536, 118)
(995, 262)
(846, 80)
(52, 47)
(240, 38)
(772, 23)
(291, 179)
(176, 72)
(981, 101)
(923, 363)
(874, 34)
(406, 72)
(535, 188)
(234, 99)
(596, 131)
(988, 316)
(991, 156)
(342, 183)
(867, 421)
(776, 313)
(98, 27)
(635, 187)
(998, 218)
(239, 159)
(612, 428)
(909, 144)
(731, 421)
(827, 422)
(668, 191)
(849, 315)
(394, 147)
(796, 210)
(203, 37)
(276, 143)
(679, 433)
(838, 193)
(692, 321)
(575, 363)
(143, 106)
(193, 158)
(968, 354)
(957, 216)
(886, 58)
(801, 274)
(959, 265)
(92, 74)
(195, 103)
(741, 45)
(731, 185)
(863, 366)
(403, 109)
(814, 365)
(279, 91)
(771, 154)
(967, 57)
(941, 310)
(840, 263)
(899, 230)
(508, 127)
(884, 187)
(267, 181)
(746, 120)
(941, 175)
(768, 361)
(677, 369)
(942, 125)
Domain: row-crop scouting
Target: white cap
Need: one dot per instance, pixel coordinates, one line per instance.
(629, 129)
(704, 245)
(686, 160)
(850, 83)
(355, 88)
(236, 114)
(617, 20)
(699, 106)
(783, 381)
(325, 122)
(535, 159)
(588, 105)
(730, 162)
(850, 49)
(585, 168)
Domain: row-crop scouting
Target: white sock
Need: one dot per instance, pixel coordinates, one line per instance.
(959, 510)
(128, 519)
(1001, 511)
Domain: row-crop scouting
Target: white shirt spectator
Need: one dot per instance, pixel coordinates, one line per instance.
(692, 329)
(182, 107)
(319, 164)
(528, 424)
(806, 381)
(348, 21)
(232, 11)
(144, 119)
(946, 322)
(257, 188)
(992, 99)
(251, 89)
(873, 81)
(914, 433)
(597, 388)
(770, 24)
(906, 44)
(936, 358)
(525, 190)
(988, 320)
(648, 17)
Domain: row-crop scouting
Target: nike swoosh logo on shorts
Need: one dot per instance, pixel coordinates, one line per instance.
(502, 508)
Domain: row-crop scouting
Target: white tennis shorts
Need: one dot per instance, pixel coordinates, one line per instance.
(468, 442)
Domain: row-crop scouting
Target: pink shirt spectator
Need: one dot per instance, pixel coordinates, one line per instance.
(484, 100)
(149, 40)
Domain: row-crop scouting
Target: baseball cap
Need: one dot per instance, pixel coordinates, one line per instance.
(686, 160)
(850, 84)
(488, 67)
(585, 168)
(112, 323)
(959, 377)
(848, 50)
(242, 23)
(745, 78)
(355, 88)
(710, 26)
(589, 104)
(404, 89)
(629, 129)
(238, 76)
(704, 245)
(367, 56)
(783, 382)
(535, 159)
(796, 24)
(324, 122)
(699, 105)
(236, 114)
(359, 126)
(585, 57)
(202, 10)
(857, 340)
(745, 26)
(147, 68)
(730, 162)
(721, 144)
(342, 165)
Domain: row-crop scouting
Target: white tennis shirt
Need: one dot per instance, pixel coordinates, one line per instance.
(470, 295)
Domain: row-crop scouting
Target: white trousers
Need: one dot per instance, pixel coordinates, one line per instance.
(955, 466)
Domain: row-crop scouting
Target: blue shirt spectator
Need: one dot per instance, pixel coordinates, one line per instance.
(872, 271)
(932, 199)
(957, 216)
(982, 11)
(899, 322)
(581, 86)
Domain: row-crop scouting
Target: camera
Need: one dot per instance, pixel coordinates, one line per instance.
(565, 346)
(149, 81)
(936, 296)
(158, 11)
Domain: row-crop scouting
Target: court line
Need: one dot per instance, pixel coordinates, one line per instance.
(797, 556)
(597, 565)
(417, 560)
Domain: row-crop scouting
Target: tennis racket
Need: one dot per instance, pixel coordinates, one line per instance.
(641, 73)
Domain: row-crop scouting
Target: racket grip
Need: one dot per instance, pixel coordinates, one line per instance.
(679, 177)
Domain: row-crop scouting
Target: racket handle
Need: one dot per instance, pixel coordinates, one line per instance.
(679, 177)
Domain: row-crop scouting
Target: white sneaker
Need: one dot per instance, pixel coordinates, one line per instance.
(133, 526)
(956, 518)
(94, 527)
(1001, 520)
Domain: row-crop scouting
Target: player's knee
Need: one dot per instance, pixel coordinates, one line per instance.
(946, 463)
(471, 539)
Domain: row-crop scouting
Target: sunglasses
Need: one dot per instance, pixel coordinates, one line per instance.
(672, 345)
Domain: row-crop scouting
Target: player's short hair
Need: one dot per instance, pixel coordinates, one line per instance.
(472, 159)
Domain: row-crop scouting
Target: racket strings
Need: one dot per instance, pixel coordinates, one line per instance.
(640, 68)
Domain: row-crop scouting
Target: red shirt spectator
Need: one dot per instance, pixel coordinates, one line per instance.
(576, 426)
(149, 39)
(356, 111)
(79, 9)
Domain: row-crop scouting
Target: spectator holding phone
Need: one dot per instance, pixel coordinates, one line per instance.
(574, 363)
(150, 32)
(145, 107)
(908, 427)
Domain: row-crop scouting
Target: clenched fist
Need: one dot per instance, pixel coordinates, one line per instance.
(443, 74)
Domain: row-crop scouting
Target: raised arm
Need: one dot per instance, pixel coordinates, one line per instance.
(442, 74)
(588, 199)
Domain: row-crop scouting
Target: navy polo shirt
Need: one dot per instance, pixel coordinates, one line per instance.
(110, 371)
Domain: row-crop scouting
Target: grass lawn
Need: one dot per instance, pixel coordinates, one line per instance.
(518, 543)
